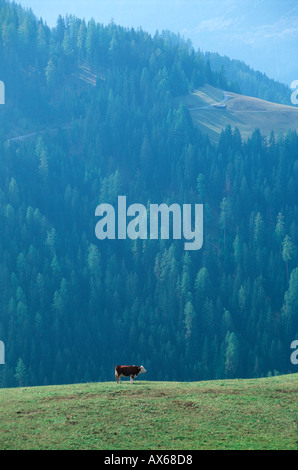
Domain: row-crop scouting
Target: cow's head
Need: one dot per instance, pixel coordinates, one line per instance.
(142, 370)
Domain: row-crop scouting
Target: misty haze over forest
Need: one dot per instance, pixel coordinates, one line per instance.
(262, 33)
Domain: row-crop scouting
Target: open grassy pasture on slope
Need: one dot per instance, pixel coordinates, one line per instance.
(245, 112)
(224, 414)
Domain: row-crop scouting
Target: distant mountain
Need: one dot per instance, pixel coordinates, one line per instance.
(261, 33)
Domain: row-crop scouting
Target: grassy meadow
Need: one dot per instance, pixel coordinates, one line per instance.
(224, 414)
(244, 112)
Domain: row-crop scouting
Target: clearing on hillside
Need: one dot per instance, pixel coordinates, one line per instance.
(213, 109)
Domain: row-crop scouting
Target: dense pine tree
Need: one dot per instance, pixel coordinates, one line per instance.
(71, 306)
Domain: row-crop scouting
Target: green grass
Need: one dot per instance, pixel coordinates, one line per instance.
(225, 414)
(245, 112)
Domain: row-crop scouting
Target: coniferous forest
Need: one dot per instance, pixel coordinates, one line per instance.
(93, 112)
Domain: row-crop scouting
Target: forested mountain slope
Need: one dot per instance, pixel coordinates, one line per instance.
(101, 105)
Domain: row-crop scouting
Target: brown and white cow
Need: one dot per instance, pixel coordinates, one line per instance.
(128, 371)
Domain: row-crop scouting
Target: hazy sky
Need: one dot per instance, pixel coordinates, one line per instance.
(263, 33)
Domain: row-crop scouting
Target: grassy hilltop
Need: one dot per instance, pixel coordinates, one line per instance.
(223, 414)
